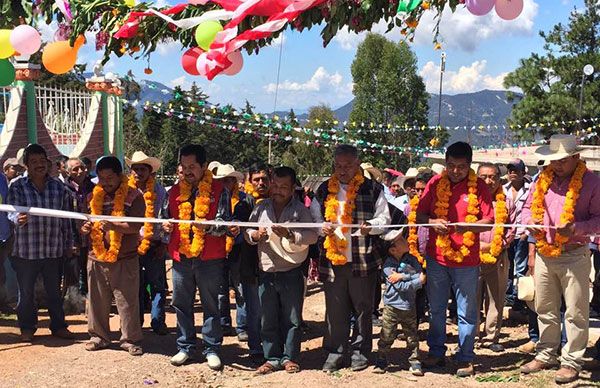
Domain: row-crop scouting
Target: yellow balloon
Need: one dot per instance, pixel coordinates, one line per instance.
(130, 3)
(6, 49)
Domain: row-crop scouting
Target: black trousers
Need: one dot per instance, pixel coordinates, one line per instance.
(345, 296)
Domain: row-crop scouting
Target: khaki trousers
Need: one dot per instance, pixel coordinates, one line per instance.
(121, 280)
(566, 275)
(493, 279)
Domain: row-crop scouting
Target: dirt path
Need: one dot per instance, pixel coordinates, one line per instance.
(51, 362)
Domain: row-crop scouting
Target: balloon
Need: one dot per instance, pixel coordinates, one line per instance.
(509, 9)
(206, 33)
(7, 72)
(408, 5)
(60, 57)
(130, 3)
(189, 59)
(479, 7)
(25, 39)
(6, 49)
(237, 61)
(202, 64)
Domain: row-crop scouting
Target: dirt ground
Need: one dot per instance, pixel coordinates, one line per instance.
(52, 362)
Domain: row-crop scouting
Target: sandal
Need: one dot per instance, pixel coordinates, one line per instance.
(132, 349)
(265, 369)
(291, 367)
(92, 346)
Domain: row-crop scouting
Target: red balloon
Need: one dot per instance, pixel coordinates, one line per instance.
(189, 59)
(237, 61)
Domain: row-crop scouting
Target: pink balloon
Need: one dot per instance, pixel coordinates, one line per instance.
(202, 64)
(508, 9)
(189, 60)
(25, 39)
(237, 61)
(479, 7)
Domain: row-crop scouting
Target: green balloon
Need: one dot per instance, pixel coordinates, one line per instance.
(206, 33)
(408, 5)
(7, 72)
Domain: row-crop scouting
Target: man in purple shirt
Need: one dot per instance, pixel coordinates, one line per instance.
(566, 275)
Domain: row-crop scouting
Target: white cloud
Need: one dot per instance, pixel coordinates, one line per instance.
(467, 79)
(182, 82)
(320, 79)
(460, 29)
(165, 49)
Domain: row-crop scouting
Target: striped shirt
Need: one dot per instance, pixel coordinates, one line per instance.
(41, 237)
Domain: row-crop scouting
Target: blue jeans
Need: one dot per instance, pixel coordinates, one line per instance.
(153, 275)
(518, 254)
(463, 281)
(251, 303)
(231, 278)
(27, 273)
(207, 277)
(281, 295)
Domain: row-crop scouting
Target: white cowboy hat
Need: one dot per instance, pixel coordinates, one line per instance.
(438, 168)
(526, 290)
(213, 165)
(392, 235)
(560, 147)
(288, 251)
(139, 157)
(371, 172)
(411, 173)
(227, 170)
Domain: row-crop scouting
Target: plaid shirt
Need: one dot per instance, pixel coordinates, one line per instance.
(41, 237)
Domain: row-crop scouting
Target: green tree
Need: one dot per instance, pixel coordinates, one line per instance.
(388, 91)
(551, 81)
(310, 159)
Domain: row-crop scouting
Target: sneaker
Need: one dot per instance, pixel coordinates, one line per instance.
(528, 348)
(380, 366)
(63, 333)
(415, 368)
(214, 362)
(242, 336)
(465, 369)
(180, 358)
(26, 335)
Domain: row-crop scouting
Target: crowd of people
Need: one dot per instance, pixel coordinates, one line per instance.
(435, 244)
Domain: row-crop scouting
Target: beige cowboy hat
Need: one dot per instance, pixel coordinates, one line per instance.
(411, 173)
(438, 168)
(226, 170)
(212, 166)
(288, 251)
(371, 172)
(139, 157)
(560, 147)
(526, 290)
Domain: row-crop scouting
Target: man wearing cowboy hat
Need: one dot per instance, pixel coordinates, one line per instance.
(281, 250)
(152, 263)
(565, 275)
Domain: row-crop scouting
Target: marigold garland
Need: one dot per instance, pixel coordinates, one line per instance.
(200, 210)
(149, 200)
(235, 199)
(334, 247)
(500, 217)
(97, 235)
(443, 192)
(568, 214)
(413, 237)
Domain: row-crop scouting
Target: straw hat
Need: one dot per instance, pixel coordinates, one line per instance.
(526, 290)
(139, 157)
(371, 172)
(226, 170)
(561, 146)
(288, 251)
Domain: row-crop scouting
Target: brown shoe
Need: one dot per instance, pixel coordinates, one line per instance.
(432, 362)
(64, 333)
(565, 375)
(465, 369)
(26, 335)
(535, 366)
(528, 348)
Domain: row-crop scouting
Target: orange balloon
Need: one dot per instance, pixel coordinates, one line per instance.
(60, 57)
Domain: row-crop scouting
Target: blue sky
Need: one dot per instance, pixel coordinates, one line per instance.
(480, 51)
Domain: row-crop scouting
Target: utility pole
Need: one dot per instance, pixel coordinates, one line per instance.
(442, 69)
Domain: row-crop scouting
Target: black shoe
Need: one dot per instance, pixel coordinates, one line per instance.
(228, 331)
(358, 362)
(332, 364)
(257, 359)
(380, 366)
(161, 330)
(432, 362)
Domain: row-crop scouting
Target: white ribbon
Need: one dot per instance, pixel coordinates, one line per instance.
(186, 24)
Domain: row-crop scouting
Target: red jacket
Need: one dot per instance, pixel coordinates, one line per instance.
(214, 247)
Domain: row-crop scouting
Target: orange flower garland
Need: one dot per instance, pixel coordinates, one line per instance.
(500, 217)
(413, 238)
(334, 247)
(149, 199)
(97, 235)
(235, 199)
(201, 207)
(443, 193)
(568, 214)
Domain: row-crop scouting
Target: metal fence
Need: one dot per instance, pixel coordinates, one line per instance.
(4, 101)
(64, 112)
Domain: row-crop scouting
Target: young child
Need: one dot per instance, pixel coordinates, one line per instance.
(404, 277)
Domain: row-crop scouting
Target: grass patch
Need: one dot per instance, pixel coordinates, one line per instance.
(497, 378)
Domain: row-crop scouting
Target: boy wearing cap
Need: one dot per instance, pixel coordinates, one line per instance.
(404, 276)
